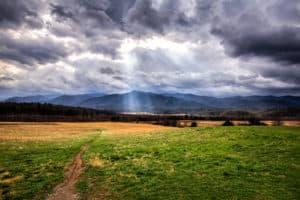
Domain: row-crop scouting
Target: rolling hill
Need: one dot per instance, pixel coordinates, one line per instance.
(73, 100)
(31, 99)
(239, 102)
(137, 101)
(142, 102)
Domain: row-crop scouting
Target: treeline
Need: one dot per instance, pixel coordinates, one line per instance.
(49, 112)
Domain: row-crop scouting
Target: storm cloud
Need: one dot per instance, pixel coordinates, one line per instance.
(208, 47)
(30, 51)
(16, 13)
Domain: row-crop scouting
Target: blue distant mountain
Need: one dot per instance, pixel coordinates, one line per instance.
(73, 100)
(239, 102)
(137, 101)
(31, 99)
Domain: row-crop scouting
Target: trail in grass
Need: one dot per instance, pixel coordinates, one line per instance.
(67, 190)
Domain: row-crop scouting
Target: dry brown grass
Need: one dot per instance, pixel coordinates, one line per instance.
(11, 180)
(113, 128)
(206, 123)
(61, 131)
(96, 162)
(285, 122)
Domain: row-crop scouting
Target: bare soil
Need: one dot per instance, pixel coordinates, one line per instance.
(67, 190)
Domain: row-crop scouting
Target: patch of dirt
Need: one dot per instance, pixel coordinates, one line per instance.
(67, 190)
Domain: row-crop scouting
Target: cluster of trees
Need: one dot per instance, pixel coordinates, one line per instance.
(49, 112)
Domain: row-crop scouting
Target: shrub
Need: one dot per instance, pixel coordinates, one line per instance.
(228, 123)
(277, 122)
(255, 122)
(194, 124)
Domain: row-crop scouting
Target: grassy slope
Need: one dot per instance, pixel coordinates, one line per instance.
(200, 163)
(39, 166)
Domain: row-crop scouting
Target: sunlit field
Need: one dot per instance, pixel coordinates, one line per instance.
(35, 155)
(64, 131)
(140, 161)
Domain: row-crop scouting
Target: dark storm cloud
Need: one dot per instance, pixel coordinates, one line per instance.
(137, 18)
(144, 17)
(266, 33)
(30, 51)
(290, 74)
(5, 78)
(107, 70)
(280, 45)
(80, 17)
(14, 13)
(105, 45)
(144, 14)
(252, 31)
(61, 11)
(101, 13)
(117, 10)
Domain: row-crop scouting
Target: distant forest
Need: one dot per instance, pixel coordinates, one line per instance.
(49, 112)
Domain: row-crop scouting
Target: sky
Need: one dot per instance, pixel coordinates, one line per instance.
(205, 47)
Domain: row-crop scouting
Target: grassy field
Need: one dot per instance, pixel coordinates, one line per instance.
(137, 161)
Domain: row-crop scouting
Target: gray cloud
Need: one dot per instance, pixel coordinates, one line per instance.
(5, 78)
(107, 70)
(62, 12)
(282, 45)
(145, 15)
(224, 47)
(14, 13)
(30, 51)
(253, 30)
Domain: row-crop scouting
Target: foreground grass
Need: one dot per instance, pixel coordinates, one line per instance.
(30, 169)
(200, 163)
(34, 155)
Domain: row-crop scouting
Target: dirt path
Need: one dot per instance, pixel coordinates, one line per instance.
(67, 190)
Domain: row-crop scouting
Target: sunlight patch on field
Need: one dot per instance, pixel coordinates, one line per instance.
(96, 162)
(114, 128)
(63, 131)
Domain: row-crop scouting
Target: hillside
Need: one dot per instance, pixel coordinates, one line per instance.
(142, 102)
(247, 102)
(73, 100)
(31, 99)
(137, 101)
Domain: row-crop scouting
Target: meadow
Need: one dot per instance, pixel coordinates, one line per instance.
(140, 161)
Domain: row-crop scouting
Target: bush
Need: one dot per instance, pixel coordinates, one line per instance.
(194, 124)
(277, 122)
(255, 122)
(228, 123)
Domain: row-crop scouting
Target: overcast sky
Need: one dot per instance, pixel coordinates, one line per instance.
(206, 47)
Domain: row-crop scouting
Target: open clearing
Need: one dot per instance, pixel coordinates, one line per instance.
(140, 161)
(65, 131)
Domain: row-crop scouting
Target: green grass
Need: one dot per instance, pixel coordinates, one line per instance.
(200, 163)
(39, 166)
(191, 163)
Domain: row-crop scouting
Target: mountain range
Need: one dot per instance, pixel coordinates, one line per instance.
(137, 101)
